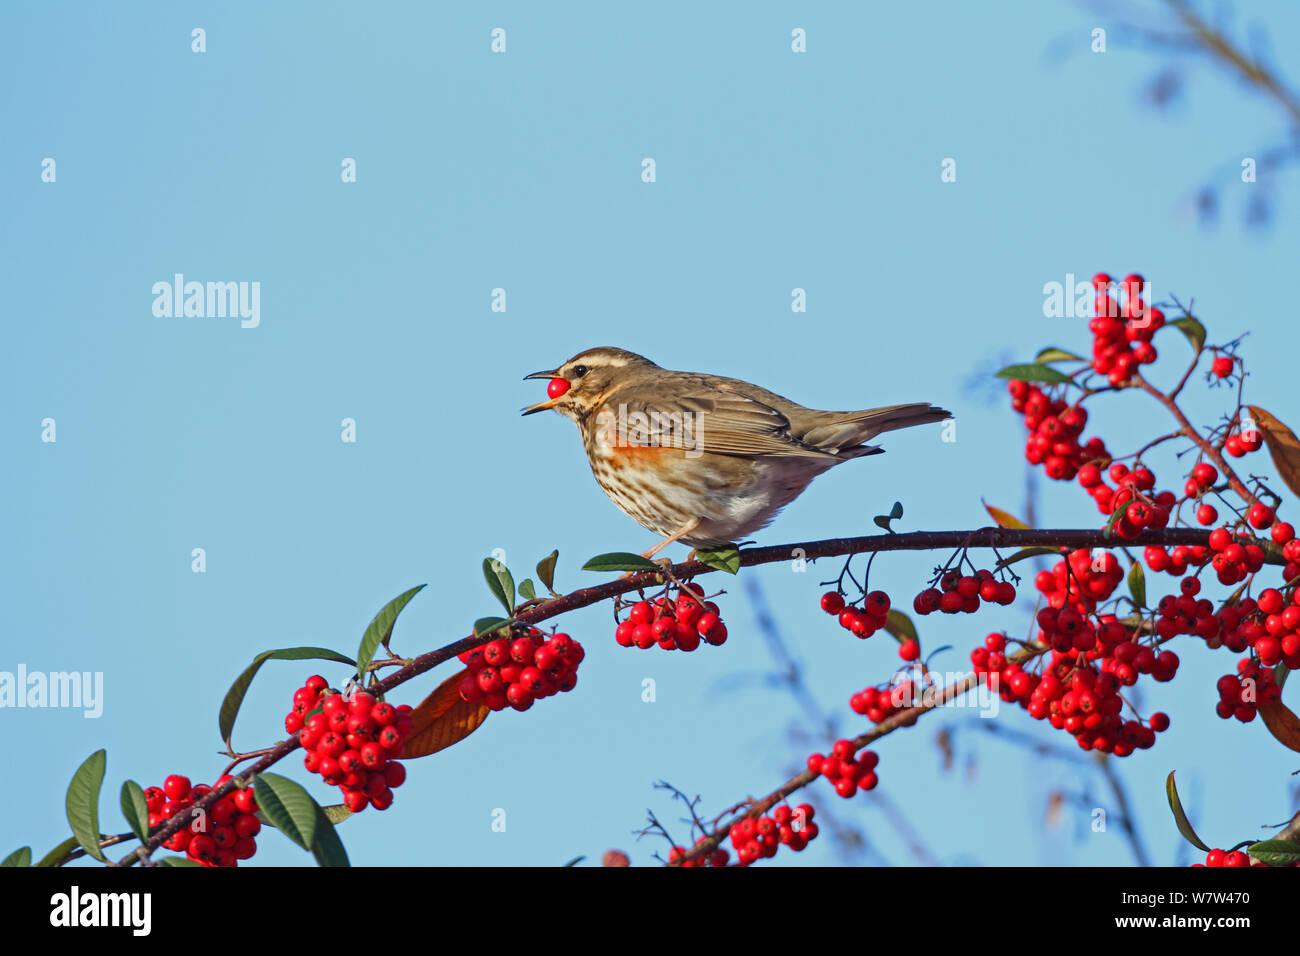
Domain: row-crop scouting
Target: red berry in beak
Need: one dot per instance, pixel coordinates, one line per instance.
(556, 387)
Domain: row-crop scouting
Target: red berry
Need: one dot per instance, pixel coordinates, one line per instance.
(556, 387)
(176, 787)
(832, 602)
(1221, 366)
(909, 650)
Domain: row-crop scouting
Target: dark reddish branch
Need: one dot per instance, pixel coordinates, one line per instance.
(832, 547)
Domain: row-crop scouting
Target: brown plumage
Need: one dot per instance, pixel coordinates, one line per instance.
(700, 458)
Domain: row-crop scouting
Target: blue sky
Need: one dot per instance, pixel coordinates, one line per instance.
(522, 171)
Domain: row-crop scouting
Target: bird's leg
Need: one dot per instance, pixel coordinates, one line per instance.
(683, 530)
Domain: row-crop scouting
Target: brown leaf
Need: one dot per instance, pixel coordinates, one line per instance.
(442, 719)
(1282, 445)
(1003, 519)
(1281, 722)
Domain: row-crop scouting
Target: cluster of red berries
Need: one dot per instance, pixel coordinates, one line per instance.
(221, 837)
(881, 703)
(352, 743)
(1132, 497)
(862, 621)
(719, 857)
(1220, 858)
(674, 624)
(515, 673)
(1240, 694)
(1122, 332)
(1080, 697)
(1055, 427)
(961, 593)
(759, 839)
(849, 770)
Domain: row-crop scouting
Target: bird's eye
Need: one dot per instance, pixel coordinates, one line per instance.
(580, 371)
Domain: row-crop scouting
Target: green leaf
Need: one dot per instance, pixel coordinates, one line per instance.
(882, 521)
(1191, 328)
(381, 629)
(336, 812)
(486, 625)
(136, 809)
(83, 803)
(724, 559)
(500, 583)
(1053, 354)
(619, 561)
(288, 806)
(1137, 584)
(19, 857)
(59, 852)
(546, 570)
(327, 847)
(176, 861)
(575, 861)
(900, 626)
(235, 696)
(526, 590)
(1024, 553)
(1180, 818)
(1035, 373)
(1275, 852)
(1114, 518)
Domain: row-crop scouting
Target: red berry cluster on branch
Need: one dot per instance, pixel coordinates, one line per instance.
(881, 703)
(863, 621)
(718, 857)
(352, 743)
(515, 673)
(959, 593)
(849, 770)
(221, 837)
(1240, 694)
(675, 624)
(759, 839)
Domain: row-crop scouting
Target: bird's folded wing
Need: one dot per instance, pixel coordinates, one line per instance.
(721, 423)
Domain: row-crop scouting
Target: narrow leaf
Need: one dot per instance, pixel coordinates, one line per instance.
(546, 570)
(900, 626)
(59, 852)
(500, 583)
(176, 861)
(724, 559)
(336, 812)
(1114, 518)
(1002, 518)
(235, 696)
(327, 847)
(526, 590)
(1053, 354)
(288, 806)
(1024, 553)
(575, 861)
(1281, 722)
(1191, 328)
(486, 625)
(19, 857)
(381, 629)
(1282, 445)
(1137, 584)
(1275, 852)
(442, 719)
(83, 803)
(136, 809)
(1034, 372)
(1180, 818)
(620, 561)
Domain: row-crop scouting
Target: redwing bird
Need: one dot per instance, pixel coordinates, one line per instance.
(700, 458)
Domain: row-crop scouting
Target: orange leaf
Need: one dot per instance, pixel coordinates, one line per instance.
(442, 719)
(1282, 445)
(1281, 722)
(1003, 519)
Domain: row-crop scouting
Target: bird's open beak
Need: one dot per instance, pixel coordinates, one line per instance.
(540, 406)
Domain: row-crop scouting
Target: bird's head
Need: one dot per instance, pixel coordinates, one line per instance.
(579, 385)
